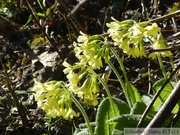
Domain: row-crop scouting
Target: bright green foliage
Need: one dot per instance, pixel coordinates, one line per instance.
(105, 113)
(138, 108)
(132, 94)
(163, 95)
(126, 121)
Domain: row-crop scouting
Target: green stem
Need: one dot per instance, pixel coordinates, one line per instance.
(83, 113)
(120, 63)
(173, 67)
(122, 85)
(107, 91)
(161, 66)
(117, 75)
(128, 86)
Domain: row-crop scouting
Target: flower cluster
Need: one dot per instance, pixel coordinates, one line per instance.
(91, 50)
(54, 98)
(130, 36)
(88, 89)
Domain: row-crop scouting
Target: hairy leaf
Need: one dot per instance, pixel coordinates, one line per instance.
(105, 113)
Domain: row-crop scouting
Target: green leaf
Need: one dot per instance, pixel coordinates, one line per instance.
(21, 92)
(105, 113)
(127, 120)
(163, 95)
(40, 14)
(83, 130)
(117, 132)
(138, 108)
(28, 21)
(146, 100)
(132, 94)
(39, 3)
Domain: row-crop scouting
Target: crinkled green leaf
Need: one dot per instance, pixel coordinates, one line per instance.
(147, 99)
(83, 130)
(138, 108)
(105, 112)
(117, 132)
(127, 120)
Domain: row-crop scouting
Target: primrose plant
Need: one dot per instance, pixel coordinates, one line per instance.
(84, 78)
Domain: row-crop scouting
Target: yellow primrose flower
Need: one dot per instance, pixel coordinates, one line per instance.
(135, 34)
(113, 27)
(63, 112)
(83, 38)
(51, 107)
(116, 31)
(89, 50)
(68, 68)
(54, 98)
(118, 26)
(77, 49)
(88, 90)
(94, 85)
(160, 44)
(53, 113)
(73, 78)
(84, 91)
(152, 30)
(139, 51)
(70, 114)
(95, 62)
(117, 37)
(134, 50)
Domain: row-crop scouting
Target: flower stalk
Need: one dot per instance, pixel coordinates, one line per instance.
(83, 113)
(107, 91)
(161, 66)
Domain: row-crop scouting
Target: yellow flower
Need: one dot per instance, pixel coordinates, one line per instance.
(88, 90)
(54, 98)
(160, 44)
(73, 78)
(70, 114)
(70, 68)
(152, 30)
(83, 38)
(118, 26)
(139, 51)
(96, 62)
(89, 50)
(94, 85)
(135, 34)
(134, 50)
